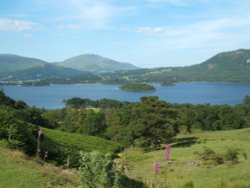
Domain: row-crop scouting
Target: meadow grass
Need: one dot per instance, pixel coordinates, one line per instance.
(185, 166)
(78, 141)
(19, 171)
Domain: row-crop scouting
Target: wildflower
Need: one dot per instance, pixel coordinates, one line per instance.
(167, 152)
(156, 167)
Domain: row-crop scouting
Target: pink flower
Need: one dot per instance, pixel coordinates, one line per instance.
(167, 152)
(156, 167)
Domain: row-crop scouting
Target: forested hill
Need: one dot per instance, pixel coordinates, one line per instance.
(233, 66)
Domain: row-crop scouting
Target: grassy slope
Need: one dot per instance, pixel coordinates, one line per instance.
(184, 167)
(17, 170)
(79, 141)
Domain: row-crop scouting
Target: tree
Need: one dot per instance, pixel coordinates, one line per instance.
(148, 123)
(246, 100)
(94, 123)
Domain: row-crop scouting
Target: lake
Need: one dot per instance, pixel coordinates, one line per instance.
(51, 97)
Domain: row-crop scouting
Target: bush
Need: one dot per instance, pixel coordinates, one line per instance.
(209, 157)
(232, 155)
(99, 170)
(189, 184)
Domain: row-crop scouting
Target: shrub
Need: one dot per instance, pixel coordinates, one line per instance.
(188, 184)
(209, 157)
(232, 155)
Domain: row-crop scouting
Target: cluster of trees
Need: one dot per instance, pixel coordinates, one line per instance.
(137, 86)
(217, 117)
(146, 123)
(102, 103)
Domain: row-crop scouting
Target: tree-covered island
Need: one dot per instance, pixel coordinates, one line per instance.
(137, 87)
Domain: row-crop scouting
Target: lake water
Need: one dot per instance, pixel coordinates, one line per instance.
(51, 97)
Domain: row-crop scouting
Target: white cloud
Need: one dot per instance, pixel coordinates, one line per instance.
(218, 33)
(150, 30)
(87, 13)
(16, 25)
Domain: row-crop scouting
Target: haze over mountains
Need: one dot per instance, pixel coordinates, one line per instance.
(14, 67)
(95, 63)
(233, 66)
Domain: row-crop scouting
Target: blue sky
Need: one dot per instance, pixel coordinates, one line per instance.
(146, 33)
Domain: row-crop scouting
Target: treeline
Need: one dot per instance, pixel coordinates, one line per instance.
(87, 103)
(146, 123)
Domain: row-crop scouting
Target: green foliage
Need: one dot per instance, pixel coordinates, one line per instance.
(209, 157)
(147, 124)
(137, 87)
(63, 146)
(189, 184)
(232, 155)
(16, 132)
(94, 124)
(185, 167)
(216, 117)
(97, 170)
(246, 100)
(102, 103)
(18, 170)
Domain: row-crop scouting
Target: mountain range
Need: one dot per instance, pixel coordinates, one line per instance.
(232, 66)
(14, 67)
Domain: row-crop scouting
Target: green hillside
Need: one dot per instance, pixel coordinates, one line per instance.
(54, 139)
(233, 66)
(185, 168)
(95, 63)
(18, 171)
(12, 63)
(45, 71)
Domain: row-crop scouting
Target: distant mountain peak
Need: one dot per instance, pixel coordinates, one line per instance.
(95, 63)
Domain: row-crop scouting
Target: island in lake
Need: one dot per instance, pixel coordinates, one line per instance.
(137, 87)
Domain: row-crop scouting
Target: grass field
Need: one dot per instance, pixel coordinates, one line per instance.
(185, 167)
(19, 171)
(79, 141)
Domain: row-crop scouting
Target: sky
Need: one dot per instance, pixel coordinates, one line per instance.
(146, 33)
